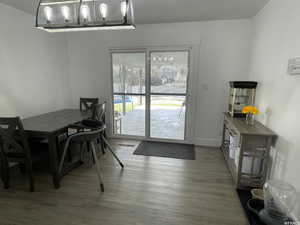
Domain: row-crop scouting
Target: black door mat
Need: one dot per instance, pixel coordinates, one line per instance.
(168, 150)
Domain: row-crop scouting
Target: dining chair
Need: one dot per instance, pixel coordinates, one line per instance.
(83, 137)
(14, 148)
(87, 104)
(97, 120)
(99, 112)
(99, 115)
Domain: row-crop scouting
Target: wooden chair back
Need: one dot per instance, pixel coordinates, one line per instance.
(13, 139)
(88, 104)
(99, 112)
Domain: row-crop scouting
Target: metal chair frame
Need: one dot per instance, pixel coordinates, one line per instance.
(88, 137)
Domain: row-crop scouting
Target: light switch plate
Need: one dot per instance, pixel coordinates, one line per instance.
(294, 66)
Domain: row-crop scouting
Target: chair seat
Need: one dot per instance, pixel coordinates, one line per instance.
(88, 124)
(38, 153)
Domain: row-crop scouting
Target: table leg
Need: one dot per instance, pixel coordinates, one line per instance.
(54, 160)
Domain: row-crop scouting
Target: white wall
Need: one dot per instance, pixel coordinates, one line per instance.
(33, 66)
(276, 39)
(224, 56)
(40, 72)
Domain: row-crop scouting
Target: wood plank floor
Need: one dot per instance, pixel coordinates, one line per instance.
(149, 191)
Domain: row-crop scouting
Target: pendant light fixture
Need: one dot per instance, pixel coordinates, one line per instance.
(81, 15)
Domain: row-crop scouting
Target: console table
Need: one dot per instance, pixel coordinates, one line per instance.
(246, 150)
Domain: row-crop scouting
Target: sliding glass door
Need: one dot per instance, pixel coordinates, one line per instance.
(150, 93)
(129, 100)
(168, 80)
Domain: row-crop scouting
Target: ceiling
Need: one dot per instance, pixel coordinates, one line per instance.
(169, 11)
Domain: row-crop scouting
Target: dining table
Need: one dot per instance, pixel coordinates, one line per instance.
(50, 126)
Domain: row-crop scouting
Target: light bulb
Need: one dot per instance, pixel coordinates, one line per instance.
(66, 12)
(123, 8)
(48, 13)
(85, 11)
(103, 10)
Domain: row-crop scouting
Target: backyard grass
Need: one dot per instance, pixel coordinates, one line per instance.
(129, 107)
(167, 104)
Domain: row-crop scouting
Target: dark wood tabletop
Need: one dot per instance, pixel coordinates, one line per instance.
(53, 121)
(50, 126)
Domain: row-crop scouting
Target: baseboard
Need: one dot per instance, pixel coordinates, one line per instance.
(210, 142)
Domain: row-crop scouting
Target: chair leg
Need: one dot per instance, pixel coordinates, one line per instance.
(89, 149)
(82, 149)
(5, 174)
(30, 176)
(97, 166)
(22, 168)
(7, 182)
(98, 141)
(85, 151)
(61, 163)
(112, 151)
(70, 156)
(102, 147)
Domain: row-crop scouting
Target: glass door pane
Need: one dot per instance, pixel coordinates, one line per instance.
(167, 117)
(169, 75)
(129, 93)
(169, 72)
(129, 72)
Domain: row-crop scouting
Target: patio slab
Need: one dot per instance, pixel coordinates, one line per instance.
(166, 122)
